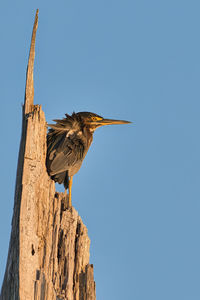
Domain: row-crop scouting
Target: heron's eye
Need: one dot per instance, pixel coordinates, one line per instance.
(96, 118)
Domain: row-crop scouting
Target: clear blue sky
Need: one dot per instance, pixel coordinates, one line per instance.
(138, 189)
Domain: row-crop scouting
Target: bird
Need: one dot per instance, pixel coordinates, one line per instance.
(68, 141)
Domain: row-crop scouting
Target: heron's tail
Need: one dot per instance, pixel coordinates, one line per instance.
(62, 178)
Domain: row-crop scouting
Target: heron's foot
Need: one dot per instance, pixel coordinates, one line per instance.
(70, 201)
(70, 191)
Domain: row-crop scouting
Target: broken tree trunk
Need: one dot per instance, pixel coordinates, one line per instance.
(48, 255)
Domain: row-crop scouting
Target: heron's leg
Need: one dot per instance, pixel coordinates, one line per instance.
(70, 191)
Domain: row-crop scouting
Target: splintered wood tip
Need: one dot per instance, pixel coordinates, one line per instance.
(29, 90)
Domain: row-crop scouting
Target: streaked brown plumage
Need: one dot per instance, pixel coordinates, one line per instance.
(68, 141)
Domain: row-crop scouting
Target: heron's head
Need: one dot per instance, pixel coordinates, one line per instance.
(93, 121)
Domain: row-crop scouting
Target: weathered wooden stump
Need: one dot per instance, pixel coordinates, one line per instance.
(48, 255)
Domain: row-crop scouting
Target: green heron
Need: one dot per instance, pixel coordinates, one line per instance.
(68, 141)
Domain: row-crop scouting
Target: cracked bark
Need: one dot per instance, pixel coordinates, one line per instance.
(48, 256)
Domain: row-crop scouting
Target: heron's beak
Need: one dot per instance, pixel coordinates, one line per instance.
(111, 122)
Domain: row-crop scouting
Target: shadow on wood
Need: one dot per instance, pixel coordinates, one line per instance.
(48, 255)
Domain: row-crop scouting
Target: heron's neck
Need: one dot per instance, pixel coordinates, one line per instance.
(88, 136)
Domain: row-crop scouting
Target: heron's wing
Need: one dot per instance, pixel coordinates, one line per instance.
(63, 152)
